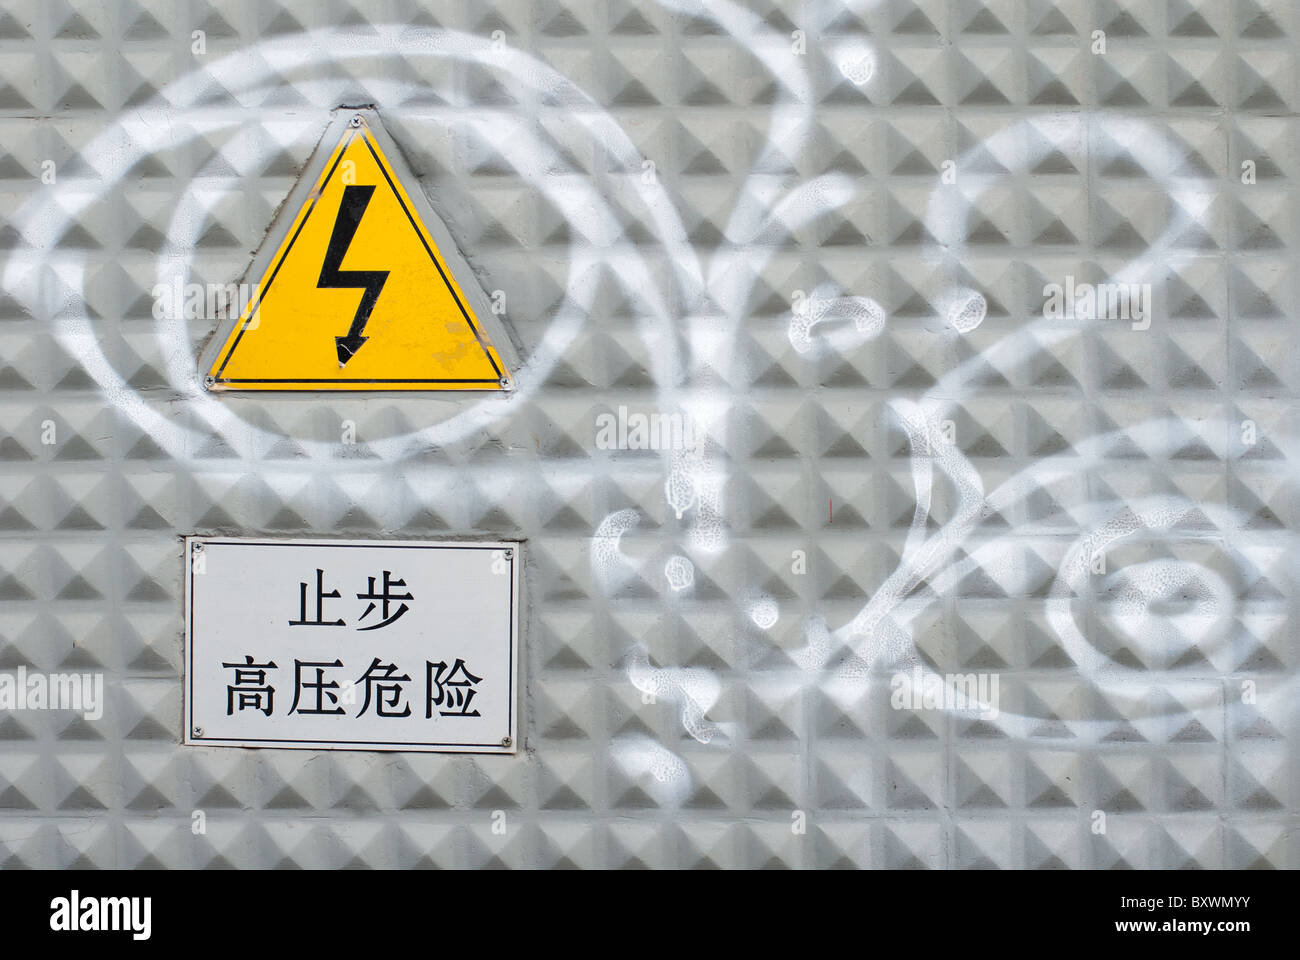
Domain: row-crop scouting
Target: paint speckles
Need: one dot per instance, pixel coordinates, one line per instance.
(663, 773)
(848, 321)
(680, 573)
(966, 309)
(856, 63)
(694, 689)
(764, 612)
(679, 487)
(606, 557)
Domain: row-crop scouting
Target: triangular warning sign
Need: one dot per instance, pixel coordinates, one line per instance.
(357, 293)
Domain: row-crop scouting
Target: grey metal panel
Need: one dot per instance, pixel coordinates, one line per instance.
(687, 727)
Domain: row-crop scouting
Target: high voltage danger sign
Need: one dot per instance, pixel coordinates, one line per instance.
(359, 294)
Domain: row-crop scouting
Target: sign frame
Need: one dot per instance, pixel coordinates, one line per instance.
(509, 745)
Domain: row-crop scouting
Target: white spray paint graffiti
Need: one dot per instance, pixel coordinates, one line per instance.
(49, 280)
(650, 763)
(866, 316)
(875, 631)
(696, 690)
(679, 572)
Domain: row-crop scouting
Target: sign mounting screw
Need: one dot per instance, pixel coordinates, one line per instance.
(355, 121)
(198, 731)
(209, 381)
(506, 741)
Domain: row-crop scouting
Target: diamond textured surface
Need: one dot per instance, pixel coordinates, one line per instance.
(823, 231)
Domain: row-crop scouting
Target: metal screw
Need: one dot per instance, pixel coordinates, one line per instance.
(209, 382)
(506, 384)
(506, 741)
(509, 554)
(198, 731)
(355, 121)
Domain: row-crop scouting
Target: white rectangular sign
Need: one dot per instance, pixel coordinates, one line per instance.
(352, 644)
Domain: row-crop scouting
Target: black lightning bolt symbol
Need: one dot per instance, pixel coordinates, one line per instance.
(354, 203)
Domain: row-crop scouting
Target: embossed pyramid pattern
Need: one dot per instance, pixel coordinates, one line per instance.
(108, 453)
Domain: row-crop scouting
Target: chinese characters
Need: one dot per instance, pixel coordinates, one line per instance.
(386, 596)
(450, 691)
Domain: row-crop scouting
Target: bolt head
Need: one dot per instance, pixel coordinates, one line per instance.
(209, 381)
(355, 122)
(198, 731)
(506, 741)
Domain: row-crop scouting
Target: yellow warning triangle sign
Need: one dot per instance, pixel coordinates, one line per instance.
(357, 294)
